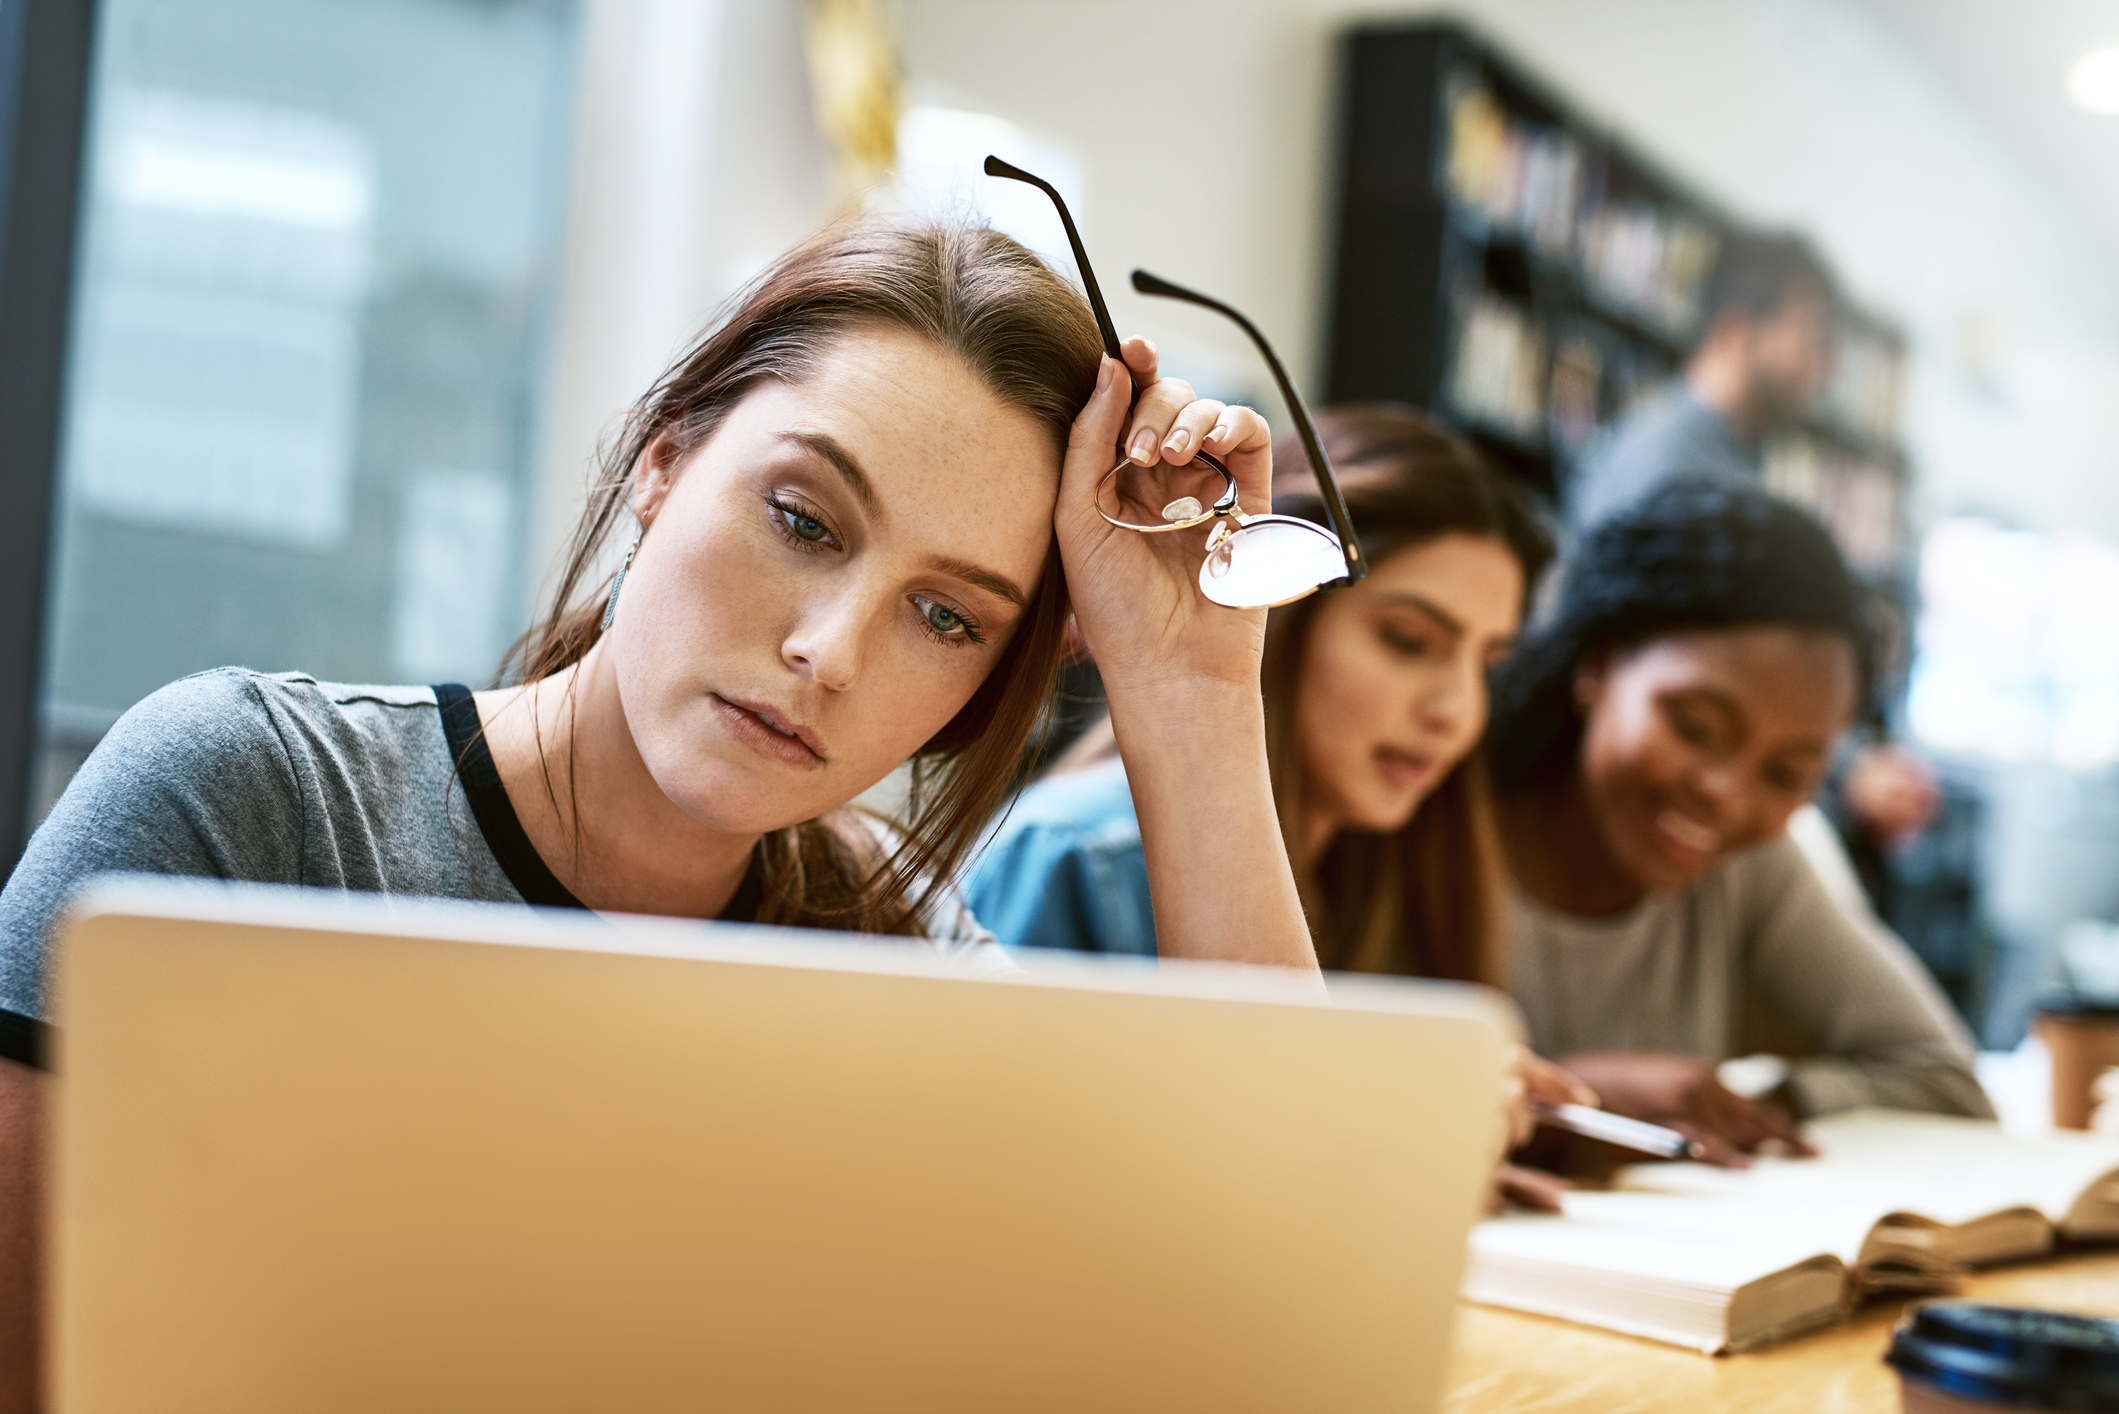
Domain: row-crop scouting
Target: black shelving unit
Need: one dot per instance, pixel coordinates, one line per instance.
(1524, 275)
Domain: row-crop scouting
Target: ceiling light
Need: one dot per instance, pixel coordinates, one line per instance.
(2094, 81)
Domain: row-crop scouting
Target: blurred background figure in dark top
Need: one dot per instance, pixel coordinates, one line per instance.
(1764, 353)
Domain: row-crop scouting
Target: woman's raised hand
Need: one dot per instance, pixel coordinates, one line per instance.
(1136, 597)
(1181, 672)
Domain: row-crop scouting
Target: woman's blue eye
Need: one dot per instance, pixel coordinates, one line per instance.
(797, 524)
(942, 622)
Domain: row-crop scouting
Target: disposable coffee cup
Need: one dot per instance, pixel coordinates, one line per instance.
(1960, 1357)
(2082, 1038)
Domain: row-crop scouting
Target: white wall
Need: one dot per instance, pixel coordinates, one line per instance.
(696, 161)
(1205, 130)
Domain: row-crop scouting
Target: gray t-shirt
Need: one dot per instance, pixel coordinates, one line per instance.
(282, 779)
(1752, 956)
(1671, 434)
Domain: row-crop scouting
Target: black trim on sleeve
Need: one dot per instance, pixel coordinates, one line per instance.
(495, 813)
(25, 1040)
(502, 827)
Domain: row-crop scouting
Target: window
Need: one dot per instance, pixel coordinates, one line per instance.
(2017, 649)
(318, 265)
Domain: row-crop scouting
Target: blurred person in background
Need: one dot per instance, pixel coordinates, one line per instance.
(1762, 360)
(1652, 737)
(1375, 701)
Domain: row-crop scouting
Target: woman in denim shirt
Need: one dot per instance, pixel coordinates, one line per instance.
(1375, 702)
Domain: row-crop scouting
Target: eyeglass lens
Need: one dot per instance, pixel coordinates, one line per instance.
(1271, 561)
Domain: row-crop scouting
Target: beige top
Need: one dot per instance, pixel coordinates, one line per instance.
(1754, 956)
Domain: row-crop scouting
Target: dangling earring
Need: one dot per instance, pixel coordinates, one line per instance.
(610, 605)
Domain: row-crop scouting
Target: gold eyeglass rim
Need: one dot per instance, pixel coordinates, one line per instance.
(1225, 505)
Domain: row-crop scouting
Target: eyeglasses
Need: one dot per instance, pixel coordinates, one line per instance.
(1252, 561)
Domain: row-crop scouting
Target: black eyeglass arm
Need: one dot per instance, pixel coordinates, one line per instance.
(995, 167)
(1357, 565)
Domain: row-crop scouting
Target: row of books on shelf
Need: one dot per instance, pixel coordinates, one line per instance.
(1541, 184)
(1868, 379)
(1511, 376)
(1855, 494)
(1643, 260)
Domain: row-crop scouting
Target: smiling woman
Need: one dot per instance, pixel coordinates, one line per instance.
(1651, 740)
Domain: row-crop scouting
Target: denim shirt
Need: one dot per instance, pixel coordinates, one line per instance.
(1066, 868)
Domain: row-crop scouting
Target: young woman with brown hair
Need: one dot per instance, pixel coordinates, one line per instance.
(857, 514)
(841, 557)
(1375, 700)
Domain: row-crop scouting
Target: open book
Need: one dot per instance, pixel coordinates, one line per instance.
(1727, 1260)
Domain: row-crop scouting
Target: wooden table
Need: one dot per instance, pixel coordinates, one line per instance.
(1531, 1365)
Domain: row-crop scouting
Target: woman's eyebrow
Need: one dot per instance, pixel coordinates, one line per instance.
(829, 447)
(832, 450)
(995, 584)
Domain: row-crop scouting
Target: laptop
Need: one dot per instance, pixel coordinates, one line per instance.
(327, 1153)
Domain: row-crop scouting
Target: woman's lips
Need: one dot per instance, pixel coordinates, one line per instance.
(1403, 770)
(758, 728)
(1685, 838)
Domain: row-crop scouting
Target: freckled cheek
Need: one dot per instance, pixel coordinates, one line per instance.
(714, 592)
(904, 698)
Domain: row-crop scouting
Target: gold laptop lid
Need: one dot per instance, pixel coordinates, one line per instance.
(322, 1155)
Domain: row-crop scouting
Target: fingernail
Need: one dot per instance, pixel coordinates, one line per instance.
(1179, 440)
(1144, 448)
(1104, 366)
(1220, 433)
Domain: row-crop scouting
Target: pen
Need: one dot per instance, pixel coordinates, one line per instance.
(1619, 1130)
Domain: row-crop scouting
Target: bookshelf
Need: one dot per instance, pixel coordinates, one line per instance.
(1525, 276)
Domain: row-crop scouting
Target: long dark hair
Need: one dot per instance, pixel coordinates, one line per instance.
(1424, 901)
(1030, 338)
(1696, 554)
